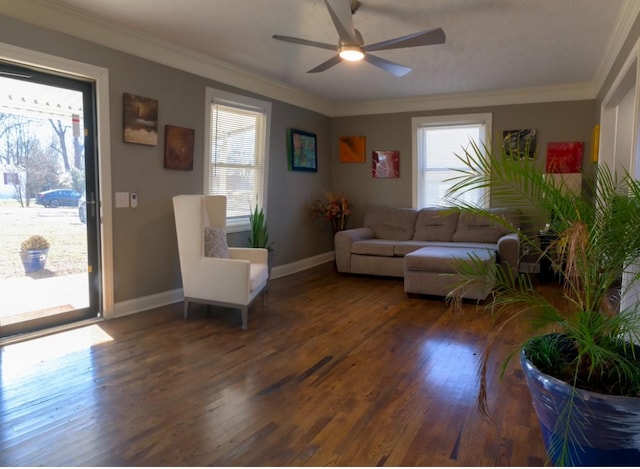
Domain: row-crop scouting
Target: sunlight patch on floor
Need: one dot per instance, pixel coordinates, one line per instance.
(19, 359)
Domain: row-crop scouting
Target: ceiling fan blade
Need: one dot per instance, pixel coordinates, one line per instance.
(325, 65)
(305, 42)
(391, 67)
(340, 11)
(424, 38)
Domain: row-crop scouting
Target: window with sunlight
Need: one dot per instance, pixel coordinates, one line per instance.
(236, 164)
(437, 141)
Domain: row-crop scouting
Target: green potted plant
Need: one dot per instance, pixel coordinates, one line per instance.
(259, 235)
(33, 253)
(580, 363)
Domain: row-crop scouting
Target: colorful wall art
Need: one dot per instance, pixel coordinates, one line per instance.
(519, 144)
(352, 149)
(178, 147)
(140, 119)
(564, 157)
(385, 164)
(302, 148)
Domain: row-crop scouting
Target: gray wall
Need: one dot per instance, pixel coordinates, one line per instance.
(144, 239)
(554, 122)
(145, 259)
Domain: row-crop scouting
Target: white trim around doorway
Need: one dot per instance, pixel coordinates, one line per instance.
(100, 76)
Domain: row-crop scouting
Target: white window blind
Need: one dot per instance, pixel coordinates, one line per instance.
(437, 142)
(236, 165)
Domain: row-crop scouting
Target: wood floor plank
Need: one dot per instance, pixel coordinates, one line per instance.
(333, 370)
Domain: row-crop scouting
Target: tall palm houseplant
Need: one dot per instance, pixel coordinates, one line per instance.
(580, 358)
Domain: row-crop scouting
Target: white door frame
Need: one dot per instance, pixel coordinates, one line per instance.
(100, 76)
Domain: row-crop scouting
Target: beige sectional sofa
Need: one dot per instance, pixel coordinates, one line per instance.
(389, 234)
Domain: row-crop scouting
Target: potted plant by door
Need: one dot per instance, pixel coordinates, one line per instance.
(581, 363)
(33, 253)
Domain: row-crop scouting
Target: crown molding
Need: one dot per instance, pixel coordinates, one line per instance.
(48, 14)
(627, 16)
(51, 15)
(571, 92)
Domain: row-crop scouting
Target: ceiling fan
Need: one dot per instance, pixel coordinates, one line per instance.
(351, 45)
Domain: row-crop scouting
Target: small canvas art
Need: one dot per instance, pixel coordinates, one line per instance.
(352, 149)
(564, 157)
(178, 148)
(140, 119)
(385, 164)
(519, 144)
(302, 147)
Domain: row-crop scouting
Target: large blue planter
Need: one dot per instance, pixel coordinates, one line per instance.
(34, 260)
(605, 429)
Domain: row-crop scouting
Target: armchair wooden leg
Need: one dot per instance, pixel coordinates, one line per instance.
(186, 308)
(245, 314)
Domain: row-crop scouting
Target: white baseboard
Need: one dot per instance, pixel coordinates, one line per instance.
(125, 308)
(303, 264)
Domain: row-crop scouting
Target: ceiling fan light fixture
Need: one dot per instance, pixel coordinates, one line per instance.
(351, 53)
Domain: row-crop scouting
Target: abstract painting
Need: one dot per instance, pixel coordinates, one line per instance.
(178, 148)
(140, 119)
(385, 164)
(352, 149)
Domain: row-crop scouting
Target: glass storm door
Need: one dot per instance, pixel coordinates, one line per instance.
(49, 237)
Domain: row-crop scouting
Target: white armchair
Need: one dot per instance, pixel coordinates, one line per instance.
(232, 282)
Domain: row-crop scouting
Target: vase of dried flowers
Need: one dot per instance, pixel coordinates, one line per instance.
(336, 208)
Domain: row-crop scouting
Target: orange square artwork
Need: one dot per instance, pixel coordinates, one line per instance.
(352, 149)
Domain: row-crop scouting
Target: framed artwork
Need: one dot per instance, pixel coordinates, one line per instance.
(178, 147)
(564, 157)
(140, 119)
(352, 149)
(519, 144)
(385, 164)
(302, 148)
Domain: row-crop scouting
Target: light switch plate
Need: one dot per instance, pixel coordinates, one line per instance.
(122, 200)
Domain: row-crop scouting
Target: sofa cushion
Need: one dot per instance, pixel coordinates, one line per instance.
(374, 247)
(435, 224)
(406, 247)
(391, 223)
(445, 260)
(475, 228)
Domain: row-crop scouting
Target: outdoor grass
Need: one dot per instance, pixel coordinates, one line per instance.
(60, 226)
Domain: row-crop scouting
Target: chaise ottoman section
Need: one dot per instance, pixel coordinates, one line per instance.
(433, 271)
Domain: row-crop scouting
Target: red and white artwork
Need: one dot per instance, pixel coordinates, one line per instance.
(564, 157)
(385, 164)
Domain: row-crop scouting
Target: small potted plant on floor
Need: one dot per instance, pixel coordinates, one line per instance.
(259, 235)
(581, 363)
(33, 253)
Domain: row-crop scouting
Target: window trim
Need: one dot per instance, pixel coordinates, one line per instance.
(485, 119)
(216, 96)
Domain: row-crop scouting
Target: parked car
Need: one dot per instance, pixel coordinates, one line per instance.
(58, 197)
(82, 208)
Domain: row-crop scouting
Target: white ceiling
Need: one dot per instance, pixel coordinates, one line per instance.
(491, 44)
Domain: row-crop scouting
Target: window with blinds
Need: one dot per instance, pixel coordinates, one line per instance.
(437, 141)
(237, 154)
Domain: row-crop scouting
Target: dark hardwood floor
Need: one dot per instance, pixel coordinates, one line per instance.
(333, 371)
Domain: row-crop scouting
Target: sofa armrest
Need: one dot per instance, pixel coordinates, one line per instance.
(343, 241)
(509, 251)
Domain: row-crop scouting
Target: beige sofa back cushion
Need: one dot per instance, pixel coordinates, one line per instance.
(435, 224)
(391, 223)
(480, 229)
